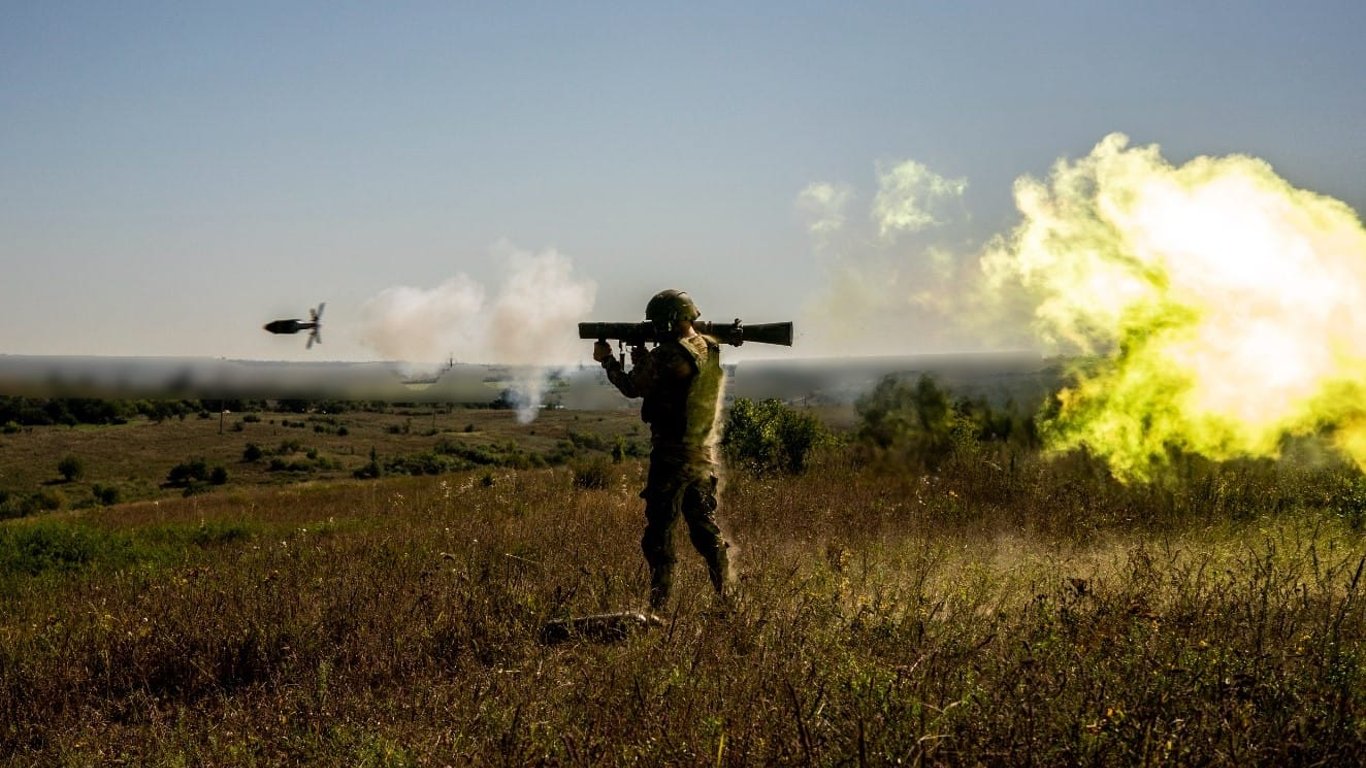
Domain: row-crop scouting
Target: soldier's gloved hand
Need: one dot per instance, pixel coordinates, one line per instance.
(638, 355)
(601, 351)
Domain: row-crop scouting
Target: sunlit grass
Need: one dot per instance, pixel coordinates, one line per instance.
(973, 616)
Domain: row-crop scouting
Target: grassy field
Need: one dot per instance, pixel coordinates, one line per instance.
(1002, 610)
(137, 457)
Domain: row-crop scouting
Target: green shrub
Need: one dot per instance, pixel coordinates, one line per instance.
(47, 547)
(49, 500)
(419, 464)
(188, 472)
(589, 441)
(71, 468)
(278, 464)
(107, 495)
(505, 455)
(13, 505)
(252, 452)
(771, 436)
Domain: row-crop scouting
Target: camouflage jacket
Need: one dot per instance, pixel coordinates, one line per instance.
(681, 383)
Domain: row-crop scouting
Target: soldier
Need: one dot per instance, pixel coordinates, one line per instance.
(680, 381)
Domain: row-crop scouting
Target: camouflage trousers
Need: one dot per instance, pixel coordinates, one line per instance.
(671, 492)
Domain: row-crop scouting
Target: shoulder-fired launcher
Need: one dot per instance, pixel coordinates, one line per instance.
(735, 333)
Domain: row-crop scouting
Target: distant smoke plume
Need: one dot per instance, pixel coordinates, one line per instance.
(528, 324)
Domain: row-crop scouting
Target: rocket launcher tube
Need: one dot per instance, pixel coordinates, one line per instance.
(734, 333)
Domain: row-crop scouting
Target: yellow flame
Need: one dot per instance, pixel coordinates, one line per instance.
(1226, 309)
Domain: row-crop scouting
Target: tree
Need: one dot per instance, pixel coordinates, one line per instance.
(919, 422)
(915, 420)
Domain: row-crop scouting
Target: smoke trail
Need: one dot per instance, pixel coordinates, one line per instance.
(1226, 309)
(534, 321)
(528, 324)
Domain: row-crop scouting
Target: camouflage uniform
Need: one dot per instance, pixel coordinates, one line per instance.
(681, 381)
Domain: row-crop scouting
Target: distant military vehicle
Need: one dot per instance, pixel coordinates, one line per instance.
(313, 325)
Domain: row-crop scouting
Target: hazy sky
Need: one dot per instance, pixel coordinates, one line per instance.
(175, 174)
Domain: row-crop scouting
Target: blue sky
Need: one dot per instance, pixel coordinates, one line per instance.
(173, 175)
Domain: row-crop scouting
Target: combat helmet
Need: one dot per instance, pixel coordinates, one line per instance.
(667, 306)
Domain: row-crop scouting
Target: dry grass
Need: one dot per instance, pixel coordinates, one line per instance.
(986, 615)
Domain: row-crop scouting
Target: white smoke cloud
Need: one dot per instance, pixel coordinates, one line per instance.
(891, 287)
(912, 198)
(425, 324)
(823, 205)
(534, 317)
(535, 320)
(529, 321)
